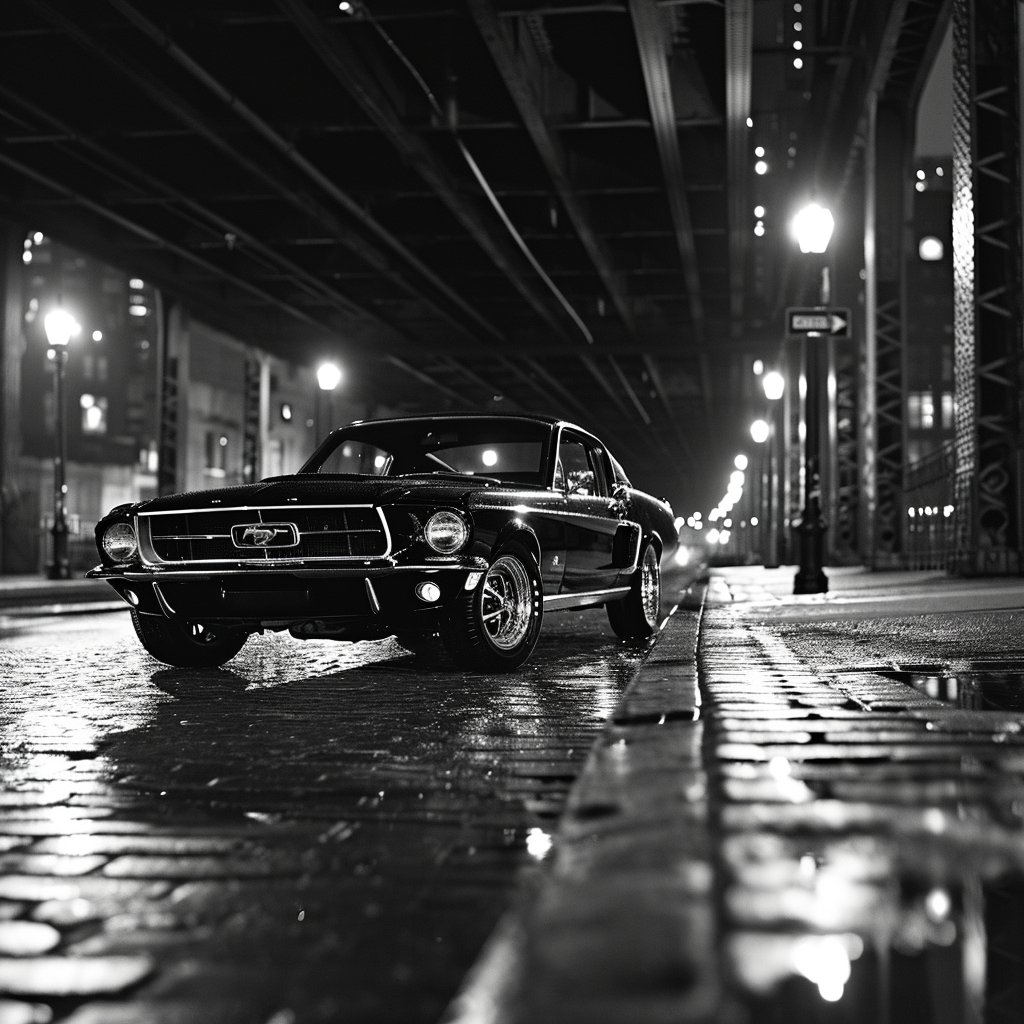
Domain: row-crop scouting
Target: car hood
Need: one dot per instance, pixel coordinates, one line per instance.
(318, 490)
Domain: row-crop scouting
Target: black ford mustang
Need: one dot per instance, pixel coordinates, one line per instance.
(461, 530)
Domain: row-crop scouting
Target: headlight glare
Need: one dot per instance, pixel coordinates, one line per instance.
(119, 542)
(446, 532)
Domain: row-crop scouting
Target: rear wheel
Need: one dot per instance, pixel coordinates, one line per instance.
(636, 615)
(495, 626)
(188, 645)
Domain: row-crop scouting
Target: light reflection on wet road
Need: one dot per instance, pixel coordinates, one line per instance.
(872, 864)
(322, 831)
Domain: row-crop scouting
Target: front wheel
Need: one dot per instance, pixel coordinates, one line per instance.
(188, 645)
(636, 615)
(495, 626)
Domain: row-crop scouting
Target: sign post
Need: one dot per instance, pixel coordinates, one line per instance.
(820, 322)
(813, 325)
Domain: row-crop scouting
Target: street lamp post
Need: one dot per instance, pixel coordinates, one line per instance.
(60, 327)
(774, 385)
(812, 228)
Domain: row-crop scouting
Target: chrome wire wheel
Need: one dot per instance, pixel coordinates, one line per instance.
(650, 586)
(506, 608)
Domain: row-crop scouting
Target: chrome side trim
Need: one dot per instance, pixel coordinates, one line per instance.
(554, 513)
(372, 596)
(277, 570)
(583, 600)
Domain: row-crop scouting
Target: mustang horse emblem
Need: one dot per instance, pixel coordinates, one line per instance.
(260, 535)
(265, 535)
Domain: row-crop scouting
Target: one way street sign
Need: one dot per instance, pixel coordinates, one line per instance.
(808, 322)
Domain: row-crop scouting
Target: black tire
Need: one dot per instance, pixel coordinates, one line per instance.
(189, 645)
(495, 626)
(636, 616)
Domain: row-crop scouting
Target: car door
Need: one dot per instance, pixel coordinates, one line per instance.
(591, 519)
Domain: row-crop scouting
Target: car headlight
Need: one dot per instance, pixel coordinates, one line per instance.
(446, 532)
(119, 541)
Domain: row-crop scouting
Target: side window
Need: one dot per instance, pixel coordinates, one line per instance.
(597, 464)
(576, 472)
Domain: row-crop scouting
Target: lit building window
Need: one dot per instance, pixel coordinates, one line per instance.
(920, 410)
(94, 414)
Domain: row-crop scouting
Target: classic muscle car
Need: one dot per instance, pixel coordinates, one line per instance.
(453, 532)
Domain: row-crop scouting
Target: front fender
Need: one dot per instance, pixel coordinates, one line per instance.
(517, 531)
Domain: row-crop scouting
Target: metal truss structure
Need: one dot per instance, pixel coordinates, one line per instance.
(987, 285)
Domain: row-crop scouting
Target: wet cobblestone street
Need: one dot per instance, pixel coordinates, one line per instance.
(871, 858)
(783, 810)
(316, 832)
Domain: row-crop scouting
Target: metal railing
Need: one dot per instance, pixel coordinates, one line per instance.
(928, 511)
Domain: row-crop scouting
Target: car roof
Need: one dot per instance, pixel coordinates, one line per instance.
(550, 421)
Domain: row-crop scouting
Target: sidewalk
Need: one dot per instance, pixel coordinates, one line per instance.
(831, 827)
(40, 596)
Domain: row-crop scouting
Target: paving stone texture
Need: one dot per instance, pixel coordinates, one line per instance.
(791, 825)
(784, 810)
(317, 832)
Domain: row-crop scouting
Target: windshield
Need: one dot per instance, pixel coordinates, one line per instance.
(506, 450)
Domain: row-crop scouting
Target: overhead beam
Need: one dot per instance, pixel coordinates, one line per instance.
(457, 366)
(182, 110)
(653, 46)
(630, 393)
(142, 232)
(347, 66)
(550, 149)
(659, 386)
(124, 171)
(425, 378)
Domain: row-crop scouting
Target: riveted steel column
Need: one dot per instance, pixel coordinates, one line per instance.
(887, 180)
(987, 283)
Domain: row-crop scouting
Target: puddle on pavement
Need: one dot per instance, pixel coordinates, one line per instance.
(884, 891)
(989, 688)
(896, 948)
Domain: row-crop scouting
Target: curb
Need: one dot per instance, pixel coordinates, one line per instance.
(620, 926)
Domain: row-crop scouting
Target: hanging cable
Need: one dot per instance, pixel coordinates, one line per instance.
(361, 10)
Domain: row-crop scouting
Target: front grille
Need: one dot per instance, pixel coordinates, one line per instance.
(336, 531)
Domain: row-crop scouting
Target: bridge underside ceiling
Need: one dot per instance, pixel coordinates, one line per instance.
(467, 200)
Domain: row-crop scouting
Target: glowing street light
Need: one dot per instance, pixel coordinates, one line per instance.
(60, 327)
(328, 376)
(759, 431)
(774, 385)
(812, 228)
